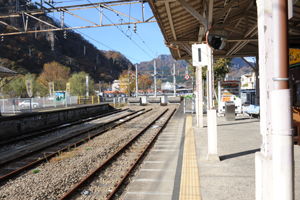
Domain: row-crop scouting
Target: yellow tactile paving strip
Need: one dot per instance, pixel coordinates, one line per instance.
(190, 182)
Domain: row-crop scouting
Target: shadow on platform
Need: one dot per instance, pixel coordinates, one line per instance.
(234, 155)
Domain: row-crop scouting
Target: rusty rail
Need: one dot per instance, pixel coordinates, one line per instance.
(92, 174)
(11, 174)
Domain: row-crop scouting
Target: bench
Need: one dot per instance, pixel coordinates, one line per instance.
(253, 110)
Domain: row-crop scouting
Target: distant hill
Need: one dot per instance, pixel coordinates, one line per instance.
(29, 52)
(164, 65)
(240, 67)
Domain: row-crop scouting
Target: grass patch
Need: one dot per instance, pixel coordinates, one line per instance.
(35, 171)
(89, 148)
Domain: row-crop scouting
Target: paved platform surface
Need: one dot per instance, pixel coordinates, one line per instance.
(161, 176)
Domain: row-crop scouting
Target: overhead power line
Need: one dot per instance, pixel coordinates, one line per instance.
(99, 43)
(119, 28)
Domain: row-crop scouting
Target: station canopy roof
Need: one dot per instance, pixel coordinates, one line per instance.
(4, 72)
(182, 23)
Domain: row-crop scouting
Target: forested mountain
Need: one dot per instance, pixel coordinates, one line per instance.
(240, 67)
(164, 68)
(29, 52)
(164, 64)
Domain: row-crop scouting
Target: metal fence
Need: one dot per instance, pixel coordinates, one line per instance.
(189, 105)
(88, 100)
(17, 105)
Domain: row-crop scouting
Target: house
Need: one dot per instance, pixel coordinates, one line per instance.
(115, 85)
(248, 81)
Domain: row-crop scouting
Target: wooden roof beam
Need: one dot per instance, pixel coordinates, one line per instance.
(170, 19)
(193, 12)
(223, 11)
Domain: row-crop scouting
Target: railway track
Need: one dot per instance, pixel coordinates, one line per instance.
(28, 160)
(105, 181)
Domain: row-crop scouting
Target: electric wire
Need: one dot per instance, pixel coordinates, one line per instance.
(98, 42)
(145, 44)
(119, 28)
(121, 19)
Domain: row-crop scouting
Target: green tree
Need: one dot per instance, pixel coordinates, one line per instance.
(78, 84)
(17, 87)
(222, 66)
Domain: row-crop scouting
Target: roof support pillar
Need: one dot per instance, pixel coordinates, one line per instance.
(275, 162)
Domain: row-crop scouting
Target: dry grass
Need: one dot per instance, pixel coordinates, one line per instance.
(67, 154)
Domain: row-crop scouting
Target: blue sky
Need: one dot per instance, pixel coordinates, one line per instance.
(146, 45)
(143, 46)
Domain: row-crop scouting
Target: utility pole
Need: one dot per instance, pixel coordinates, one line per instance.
(136, 81)
(129, 68)
(174, 79)
(155, 84)
(87, 85)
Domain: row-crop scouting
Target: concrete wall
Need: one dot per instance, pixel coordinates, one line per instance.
(16, 125)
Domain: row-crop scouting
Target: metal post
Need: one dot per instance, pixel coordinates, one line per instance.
(257, 81)
(143, 10)
(129, 80)
(174, 80)
(30, 105)
(183, 104)
(212, 136)
(136, 81)
(0, 106)
(199, 96)
(87, 85)
(14, 111)
(193, 104)
(155, 84)
(101, 14)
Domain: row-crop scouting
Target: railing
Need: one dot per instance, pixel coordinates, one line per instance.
(17, 105)
(189, 105)
(88, 100)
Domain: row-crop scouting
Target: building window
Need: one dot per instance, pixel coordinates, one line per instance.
(250, 79)
(242, 79)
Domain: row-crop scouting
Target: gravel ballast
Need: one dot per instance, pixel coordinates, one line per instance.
(57, 177)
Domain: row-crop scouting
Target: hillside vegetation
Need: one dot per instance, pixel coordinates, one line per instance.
(29, 52)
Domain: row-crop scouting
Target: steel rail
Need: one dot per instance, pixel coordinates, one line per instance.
(139, 158)
(71, 193)
(46, 130)
(13, 173)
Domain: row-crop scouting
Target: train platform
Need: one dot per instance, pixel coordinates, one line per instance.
(26, 111)
(177, 168)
